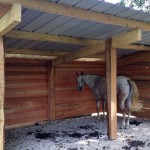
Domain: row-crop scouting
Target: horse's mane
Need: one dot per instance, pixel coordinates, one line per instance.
(93, 74)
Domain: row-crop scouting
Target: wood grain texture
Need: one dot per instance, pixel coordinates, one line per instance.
(26, 100)
(69, 101)
(2, 93)
(140, 73)
(26, 97)
(111, 75)
(4, 9)
(11, 19)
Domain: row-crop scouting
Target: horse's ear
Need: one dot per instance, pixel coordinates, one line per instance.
(82, 73)
(77, 74)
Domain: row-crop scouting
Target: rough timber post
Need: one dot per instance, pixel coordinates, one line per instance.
(2, 89)
(51, 92)
(111, 89)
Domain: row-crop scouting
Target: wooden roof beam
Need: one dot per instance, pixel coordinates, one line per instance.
(79, 13)
(49, 37)
(123, 39)
(126, 38)
(4, 9)
(33, 52)
(135, 47)
(10, 19)
(83, 52)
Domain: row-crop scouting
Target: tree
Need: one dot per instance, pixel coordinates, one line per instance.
(137, 4)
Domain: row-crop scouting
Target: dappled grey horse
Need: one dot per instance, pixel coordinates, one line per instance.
(127, 93)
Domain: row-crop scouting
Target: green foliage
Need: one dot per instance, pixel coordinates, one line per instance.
(136, 4)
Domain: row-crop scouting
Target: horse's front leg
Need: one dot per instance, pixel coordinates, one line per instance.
(98, 108)
(103, 107)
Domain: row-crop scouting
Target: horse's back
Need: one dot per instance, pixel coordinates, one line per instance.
(123, 88)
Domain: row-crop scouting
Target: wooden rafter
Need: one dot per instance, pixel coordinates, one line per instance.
(49, 38)
(80, 13)
(89, 50)
(33, 52)
(135, 47)
(143, 57)
(29, 56)
(10, 19)
(126, 38)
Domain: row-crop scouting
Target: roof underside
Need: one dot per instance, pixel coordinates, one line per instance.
(41, 22)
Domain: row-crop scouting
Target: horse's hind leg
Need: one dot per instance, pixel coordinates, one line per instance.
(128, 119)
(122, 107)
(128, 106)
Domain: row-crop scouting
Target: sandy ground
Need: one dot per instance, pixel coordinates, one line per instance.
(83, 133)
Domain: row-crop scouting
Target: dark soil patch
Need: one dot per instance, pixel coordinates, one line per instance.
(105, 147)
(135, 123)
(86, 127)
(29, 133)
(45, 136)
(76, 135)
(126, 147)
(94, 134)
(134, 144)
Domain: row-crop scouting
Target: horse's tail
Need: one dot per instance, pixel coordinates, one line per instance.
(136, 105)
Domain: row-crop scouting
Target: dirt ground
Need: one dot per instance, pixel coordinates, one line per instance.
(84, 133)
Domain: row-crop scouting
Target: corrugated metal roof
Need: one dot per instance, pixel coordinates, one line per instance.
(37, 21)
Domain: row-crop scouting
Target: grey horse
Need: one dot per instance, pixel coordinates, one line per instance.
(127, 93)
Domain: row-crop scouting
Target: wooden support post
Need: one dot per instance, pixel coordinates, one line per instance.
(2, 91)
(51, 92)
(111, 89)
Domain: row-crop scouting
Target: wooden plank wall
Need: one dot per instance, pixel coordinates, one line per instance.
(69, 101)
(26, 91)
(26, 96)
(140, 73)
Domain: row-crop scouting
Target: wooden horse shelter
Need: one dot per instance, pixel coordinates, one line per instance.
(44, 43)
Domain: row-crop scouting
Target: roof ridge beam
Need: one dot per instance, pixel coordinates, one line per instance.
(49, 37)
(10, 19)
(80, 13)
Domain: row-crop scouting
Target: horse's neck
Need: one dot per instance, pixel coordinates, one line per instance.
(91, 80)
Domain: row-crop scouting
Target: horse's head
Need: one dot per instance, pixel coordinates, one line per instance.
(80, 81)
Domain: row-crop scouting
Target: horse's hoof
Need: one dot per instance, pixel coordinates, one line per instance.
(104, 118)
(122, 127)
(127, 127)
